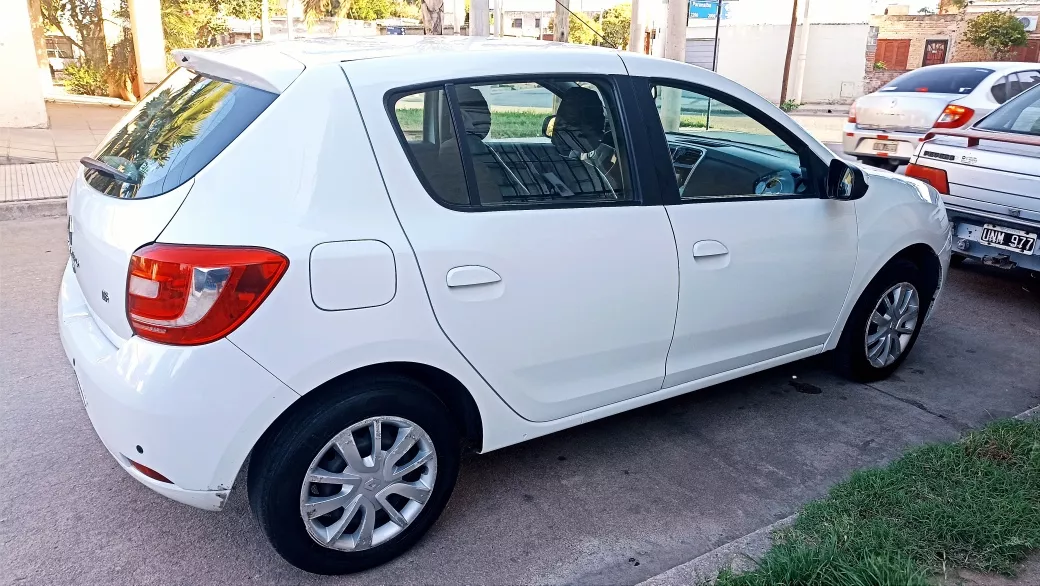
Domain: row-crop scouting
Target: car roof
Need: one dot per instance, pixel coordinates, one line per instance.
(272, 66)
(996, 66)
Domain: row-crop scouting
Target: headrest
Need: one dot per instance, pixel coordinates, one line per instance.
(476, 115)
(579, 121)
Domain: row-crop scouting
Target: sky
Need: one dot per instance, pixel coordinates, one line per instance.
(915, 5)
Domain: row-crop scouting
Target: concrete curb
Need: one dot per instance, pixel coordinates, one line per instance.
(34, 208)
(742, 554)
(87, 100)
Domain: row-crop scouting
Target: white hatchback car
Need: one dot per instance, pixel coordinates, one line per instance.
(354, 259)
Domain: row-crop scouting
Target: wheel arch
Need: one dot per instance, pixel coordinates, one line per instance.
(920, 254)
(443, 385)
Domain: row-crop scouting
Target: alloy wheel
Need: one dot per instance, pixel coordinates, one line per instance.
(368, 483)
(892, 324)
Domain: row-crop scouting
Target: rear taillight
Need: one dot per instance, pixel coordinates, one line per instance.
(935, 177)
(954, 116)
(187, 295)
(852, 113)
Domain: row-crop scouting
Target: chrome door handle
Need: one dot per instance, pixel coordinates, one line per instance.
(706, 248)
(470, 275)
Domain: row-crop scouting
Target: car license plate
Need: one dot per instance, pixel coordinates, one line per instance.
(1008, 239)
(886, 146)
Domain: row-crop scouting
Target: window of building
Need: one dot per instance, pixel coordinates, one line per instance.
(518, 23)
(894, 53)
(537, 23)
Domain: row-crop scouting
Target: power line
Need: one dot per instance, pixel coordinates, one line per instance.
(587, 25)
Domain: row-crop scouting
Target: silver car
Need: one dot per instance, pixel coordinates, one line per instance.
(989, 176)
(885, 127)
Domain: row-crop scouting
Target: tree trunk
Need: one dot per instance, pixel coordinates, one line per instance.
(36, 22)
(94, 46)
(433, 16)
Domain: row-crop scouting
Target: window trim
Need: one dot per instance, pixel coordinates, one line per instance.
(619, 92)
(817, 168)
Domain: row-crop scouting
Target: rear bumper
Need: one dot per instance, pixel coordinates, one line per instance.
(190, 413)
(859, 142)
(967, 232)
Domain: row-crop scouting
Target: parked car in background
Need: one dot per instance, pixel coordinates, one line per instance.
(353, 258)
(989, 176)
(885, 127)
(59, 59)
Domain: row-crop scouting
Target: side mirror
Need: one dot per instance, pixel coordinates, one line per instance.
(845, 182)
(547, 125)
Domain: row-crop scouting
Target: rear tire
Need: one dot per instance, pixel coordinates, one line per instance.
(864, 330)
(313, 440)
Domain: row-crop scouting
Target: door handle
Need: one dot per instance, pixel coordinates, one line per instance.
(471, 275)
(709, 248)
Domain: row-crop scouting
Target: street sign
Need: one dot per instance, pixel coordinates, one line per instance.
(709, 9)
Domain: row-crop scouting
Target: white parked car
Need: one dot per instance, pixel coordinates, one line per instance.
(885, 127)
(989, 176)
(353, 259)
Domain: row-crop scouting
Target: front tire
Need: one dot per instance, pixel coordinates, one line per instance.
(885, 323)
(357, 476)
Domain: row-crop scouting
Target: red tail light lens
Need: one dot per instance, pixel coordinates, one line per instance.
(936, 177)
(852, 113)
(149, 472)
(954, 116)
(187, 295)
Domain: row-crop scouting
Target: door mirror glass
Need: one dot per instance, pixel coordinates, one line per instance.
(845, 182)
(547, 126)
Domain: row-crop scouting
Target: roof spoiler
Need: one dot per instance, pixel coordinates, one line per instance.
(262, 67)
(974, 136)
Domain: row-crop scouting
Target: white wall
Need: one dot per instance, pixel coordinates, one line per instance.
(21, 100)
(753, 55)
(779, 11)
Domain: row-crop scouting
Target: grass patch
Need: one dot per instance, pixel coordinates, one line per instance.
(973, 504)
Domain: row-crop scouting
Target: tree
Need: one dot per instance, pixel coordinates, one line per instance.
(581, 31)
(616, 22)
(997, 31)
(86, 18)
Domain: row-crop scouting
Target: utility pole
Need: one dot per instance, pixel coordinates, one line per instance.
(288, 19)
(500, 23)
(478, 18)
(562, 21)
(718, 23)
(675, 30)
(637, 28)
(790, 50)
(803, 54)
(265, 20)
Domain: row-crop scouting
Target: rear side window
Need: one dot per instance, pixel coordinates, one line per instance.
(939, 80)
(174, 132)
(1021, 115)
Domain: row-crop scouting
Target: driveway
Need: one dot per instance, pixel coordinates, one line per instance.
(612, 502)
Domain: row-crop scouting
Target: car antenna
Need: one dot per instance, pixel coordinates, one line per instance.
(588, 26)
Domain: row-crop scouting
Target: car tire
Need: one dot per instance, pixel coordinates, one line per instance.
(302, 445)
(859, 337)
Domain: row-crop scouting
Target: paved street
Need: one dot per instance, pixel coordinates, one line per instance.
(615, 501)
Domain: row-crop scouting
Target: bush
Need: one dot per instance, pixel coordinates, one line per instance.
(880, 66)
(996, 31)
(789, 106)
(85, 80)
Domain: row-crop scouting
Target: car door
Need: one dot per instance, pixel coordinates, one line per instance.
(765, 263)
(545, 264)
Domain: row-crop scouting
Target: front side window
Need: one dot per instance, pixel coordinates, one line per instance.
(176, 131)
(523, 143)
(718, 151)
(1021, 116)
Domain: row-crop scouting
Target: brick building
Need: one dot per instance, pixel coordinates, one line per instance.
(906, 42)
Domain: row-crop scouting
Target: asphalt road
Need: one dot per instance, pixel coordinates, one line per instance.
(615, 501)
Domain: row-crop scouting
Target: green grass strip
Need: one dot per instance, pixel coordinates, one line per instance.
(973, 504)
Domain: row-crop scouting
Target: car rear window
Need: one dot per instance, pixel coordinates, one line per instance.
(1021, 115)
(939, 80)
(174, 132)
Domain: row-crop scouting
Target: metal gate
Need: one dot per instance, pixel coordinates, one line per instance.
(700, 52)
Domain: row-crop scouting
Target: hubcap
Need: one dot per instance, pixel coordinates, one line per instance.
(368, 483)
(892, 324)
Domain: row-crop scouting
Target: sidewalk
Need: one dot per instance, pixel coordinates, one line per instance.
(75, 129)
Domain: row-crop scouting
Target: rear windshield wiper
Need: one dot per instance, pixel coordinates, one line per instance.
(102, 167)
